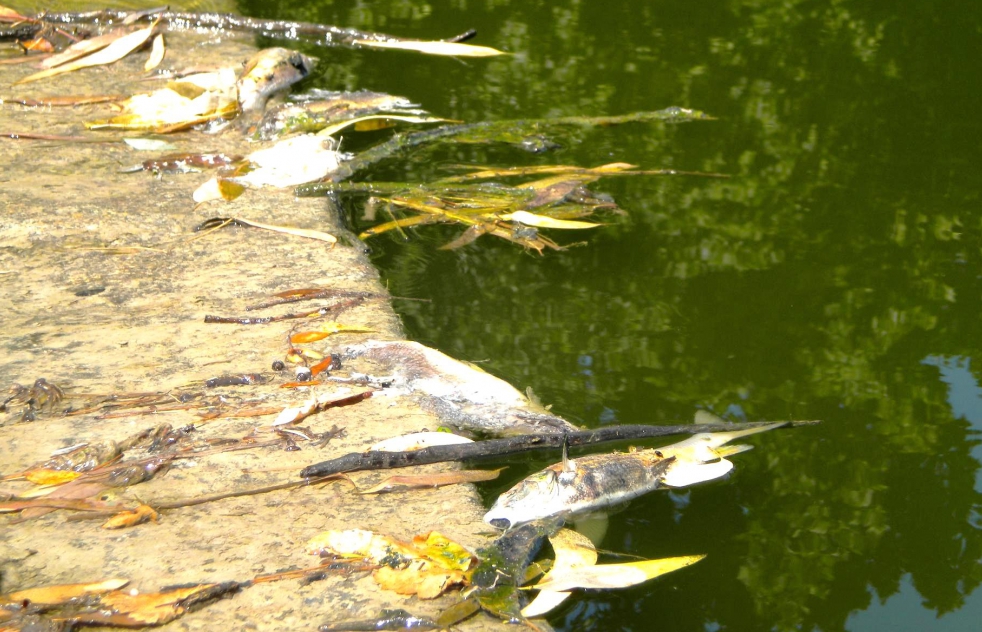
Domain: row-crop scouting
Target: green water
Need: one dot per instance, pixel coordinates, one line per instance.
(835, 276)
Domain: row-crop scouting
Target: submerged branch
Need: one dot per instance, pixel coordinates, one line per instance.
(320, 34)
(517, 132)
(374, 460)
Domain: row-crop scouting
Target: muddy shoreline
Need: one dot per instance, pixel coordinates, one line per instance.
(105, 291)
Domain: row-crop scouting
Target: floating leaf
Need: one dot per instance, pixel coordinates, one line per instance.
(542, 221)
(156, 53)
(451, 49)
(573, 550)
(119, 48)
(608, 576)
(431, 480)
(365, 123)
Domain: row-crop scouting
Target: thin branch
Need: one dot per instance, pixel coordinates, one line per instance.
(374, 460)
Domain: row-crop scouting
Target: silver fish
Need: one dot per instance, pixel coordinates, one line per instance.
(269, 71)
(595, 482)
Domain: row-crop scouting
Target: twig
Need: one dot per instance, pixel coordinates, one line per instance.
(374, 460)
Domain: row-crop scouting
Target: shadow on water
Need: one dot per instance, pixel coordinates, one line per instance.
(834, 276)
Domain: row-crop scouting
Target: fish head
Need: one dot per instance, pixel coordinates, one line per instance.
(533, 498)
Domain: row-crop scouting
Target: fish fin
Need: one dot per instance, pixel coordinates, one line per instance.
(566, 461)
(593, 526)
(684, 473)
(730, 450)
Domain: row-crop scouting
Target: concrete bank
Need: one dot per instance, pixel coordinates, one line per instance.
(101, 291)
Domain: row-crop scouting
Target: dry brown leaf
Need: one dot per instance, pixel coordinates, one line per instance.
(131, 517)
(431, 480)
(60, 593)
(119, 48)
(125, 609)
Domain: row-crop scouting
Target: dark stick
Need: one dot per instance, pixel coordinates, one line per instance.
(512, 445)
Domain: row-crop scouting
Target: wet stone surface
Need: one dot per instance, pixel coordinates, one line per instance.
(104, 289)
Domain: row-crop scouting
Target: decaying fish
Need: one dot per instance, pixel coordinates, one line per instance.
(269, 71)
(595, 482)
(460, 393)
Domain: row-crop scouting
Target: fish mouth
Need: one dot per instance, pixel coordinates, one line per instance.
(500, 523)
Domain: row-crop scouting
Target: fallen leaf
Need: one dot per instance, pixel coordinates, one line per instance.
(358, 543)
(51, 477)
(60, 593)
(444, 552)
(156, 53)
(573, 550)
(418, 441)
(420, 578)
(115, 51)
(417, 481)
(363, 123)
(451, 49)
(542, 221)
(141, 609)
(325, 330)
(608, 576)
(131, 517)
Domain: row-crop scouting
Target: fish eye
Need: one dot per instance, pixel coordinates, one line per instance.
(500, 523)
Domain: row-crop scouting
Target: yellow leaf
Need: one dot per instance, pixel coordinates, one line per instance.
(443, 551)
(156, 53)
(608, 576)
(573, 550)
(62, 592)
(364, 123)
(115, 51)
(358, 543)
(419, 578)
(451, 49)
(51, 477)
(542, 221)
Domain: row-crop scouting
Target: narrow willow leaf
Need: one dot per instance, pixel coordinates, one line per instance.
(608, 576)
(450, 49)
(542, 221)
(156, 53)
(61, 593)
(115, 51)
(418, 481)
(573, 550)
(330, 130)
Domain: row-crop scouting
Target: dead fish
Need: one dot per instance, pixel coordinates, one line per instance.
(460, 393)
(595, 482)
(579, 486)
(270, 71)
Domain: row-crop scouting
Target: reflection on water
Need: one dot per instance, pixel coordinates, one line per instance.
(834, 276)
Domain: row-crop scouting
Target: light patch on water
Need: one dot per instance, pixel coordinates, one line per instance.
(964, 397)
(903, 612)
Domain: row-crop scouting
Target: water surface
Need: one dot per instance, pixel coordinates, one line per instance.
(834, 276)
